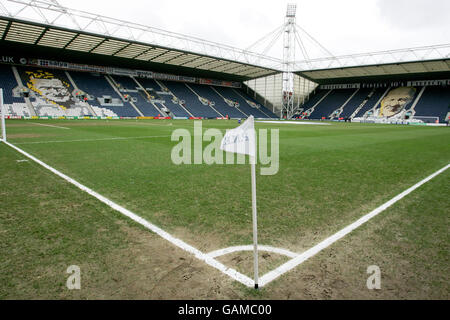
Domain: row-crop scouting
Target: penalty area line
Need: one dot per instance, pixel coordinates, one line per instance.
(272, 275)
(177, 242)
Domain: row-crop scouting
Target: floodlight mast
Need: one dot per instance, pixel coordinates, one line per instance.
(287, 109)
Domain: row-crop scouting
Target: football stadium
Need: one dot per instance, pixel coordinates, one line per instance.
(114, 183)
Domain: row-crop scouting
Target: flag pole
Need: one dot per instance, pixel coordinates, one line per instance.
(255, 221)
(2, 111)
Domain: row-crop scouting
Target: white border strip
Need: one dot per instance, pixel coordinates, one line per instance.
(272, 275)
(179, 243)
(49, 125)
(222, 252)
(209, 258)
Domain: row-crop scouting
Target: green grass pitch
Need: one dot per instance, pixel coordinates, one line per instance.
(329, 177)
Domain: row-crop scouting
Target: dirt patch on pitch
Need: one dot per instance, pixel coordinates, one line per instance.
(152, 268)
(243, 262)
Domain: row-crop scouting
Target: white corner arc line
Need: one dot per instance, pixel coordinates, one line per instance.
(179, 243)
(49, 125)
(272, 275)
(225, 251)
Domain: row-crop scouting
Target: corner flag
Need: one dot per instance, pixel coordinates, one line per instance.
(242, 140)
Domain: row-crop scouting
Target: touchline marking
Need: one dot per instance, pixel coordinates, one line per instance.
(49, 125)
(272, 275)
(90, 140)
(179, 243)
(209, 258)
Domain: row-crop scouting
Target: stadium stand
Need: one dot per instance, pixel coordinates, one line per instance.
(141, 99)
(163, 98)
(331, 102)
(245, 104)
(15, 106)
(192, 102)
(208, 92)
(355, 102)
(435, 101)
(103, 95)
(314, 99)
(253, 102)
(51, 93)
(54, 93)
(377, 94)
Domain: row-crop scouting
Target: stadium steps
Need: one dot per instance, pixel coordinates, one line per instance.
(254, 101)
(27, 100)
(322, 98)
(337, 113)
(419, 96)
(208, 92)
(262, 109)
(375, 106)
(244, 106)
(96, 86)
(358, 101)
(115, 86)
(242, 113)
(435, 102)
(149, 97)
(200, 97)
(69, 77)
(363, 103)
(189, 100)
(175, 106)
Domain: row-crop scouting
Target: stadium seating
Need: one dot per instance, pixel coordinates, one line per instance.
(207, 92)
(263, 109)
(8, 82)
(435, 102)
(192, 103)
(244, 106)
(152, 87)
(355, 102)
(314, 99)
(371, 102)
(333, 101)
(97, 86)
(129, 87)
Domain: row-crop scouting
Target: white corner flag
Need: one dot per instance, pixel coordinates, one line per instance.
(242, 140)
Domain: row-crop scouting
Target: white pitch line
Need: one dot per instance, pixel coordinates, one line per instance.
(49, 125)
(222, 252)
(267, 278)
(296, 122)
(91, 140)
(179, 243)
(272, 275)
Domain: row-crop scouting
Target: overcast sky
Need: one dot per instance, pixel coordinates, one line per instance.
(343, 27)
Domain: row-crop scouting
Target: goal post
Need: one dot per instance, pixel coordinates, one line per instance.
(3, 115)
